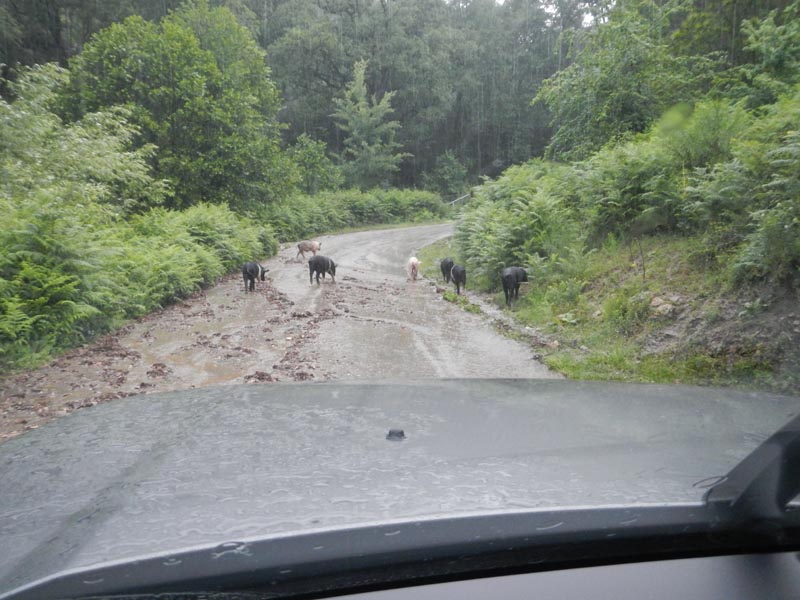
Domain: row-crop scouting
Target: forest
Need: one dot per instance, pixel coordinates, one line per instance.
(131, 129)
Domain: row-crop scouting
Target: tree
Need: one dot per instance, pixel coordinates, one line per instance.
(463, 73)
(317, 171)
(622, 79)
(449, 177)
(199, 90)
(775, 44)
(369, 149)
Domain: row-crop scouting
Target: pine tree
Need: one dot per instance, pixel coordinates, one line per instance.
(369, 157)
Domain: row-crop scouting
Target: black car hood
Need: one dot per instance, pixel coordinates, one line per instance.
(160, 474)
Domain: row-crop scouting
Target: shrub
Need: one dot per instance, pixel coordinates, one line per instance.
(302, 216)
(74, 259)
(627, 311)
(518, 220)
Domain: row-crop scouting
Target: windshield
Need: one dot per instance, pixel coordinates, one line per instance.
(541, 256)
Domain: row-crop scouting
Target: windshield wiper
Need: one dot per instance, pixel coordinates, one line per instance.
(758, 490)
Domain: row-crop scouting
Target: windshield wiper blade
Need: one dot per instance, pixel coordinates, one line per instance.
(759, 489)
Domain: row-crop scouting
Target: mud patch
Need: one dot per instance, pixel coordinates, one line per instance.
(219, 336)
(159, 370)
(259, 377)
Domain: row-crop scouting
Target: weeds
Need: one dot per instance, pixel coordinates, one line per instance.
(461, 301)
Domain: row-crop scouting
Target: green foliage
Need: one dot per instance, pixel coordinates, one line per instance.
(772, 250)
(649, 184)
(74, 260)
(86, 159)
(301, 216)
(711, 169)
(449, 177)
(317, 171)
(627, 310)
(199, 92)
(622, 78)
(63, 280)
(700, 135)
(463, 73)
(519, 219)
(775, 42)
(370, 157)
(564, 295)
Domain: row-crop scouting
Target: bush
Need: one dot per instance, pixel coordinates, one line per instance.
(64, 280)
(74, 261)
(518, 220)
(627, 311)
(302, 216)
(772, 251)
(448, 178)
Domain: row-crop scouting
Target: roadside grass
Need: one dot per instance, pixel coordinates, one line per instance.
(429, 257)
(461, 301)
(632, 312)
(658, 312)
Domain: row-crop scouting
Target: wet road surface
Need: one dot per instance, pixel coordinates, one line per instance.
(372, 323)
(389, 327)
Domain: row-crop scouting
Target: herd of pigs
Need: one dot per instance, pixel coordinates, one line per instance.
(510, 277)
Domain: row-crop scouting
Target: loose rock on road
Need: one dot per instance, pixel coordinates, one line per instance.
(373, 323)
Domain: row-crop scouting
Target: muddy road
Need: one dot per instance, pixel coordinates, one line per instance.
(372, 323)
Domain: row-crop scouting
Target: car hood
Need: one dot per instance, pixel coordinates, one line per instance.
(157, 474)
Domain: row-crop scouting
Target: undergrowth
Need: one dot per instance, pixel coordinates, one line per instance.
(681, 323)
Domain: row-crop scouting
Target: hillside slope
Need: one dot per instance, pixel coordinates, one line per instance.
(659, 312)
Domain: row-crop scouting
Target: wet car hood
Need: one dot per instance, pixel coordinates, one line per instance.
(161, 473)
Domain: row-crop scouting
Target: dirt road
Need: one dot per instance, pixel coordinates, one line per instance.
(372, 323)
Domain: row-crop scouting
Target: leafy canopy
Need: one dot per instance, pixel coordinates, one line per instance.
(198, 89)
